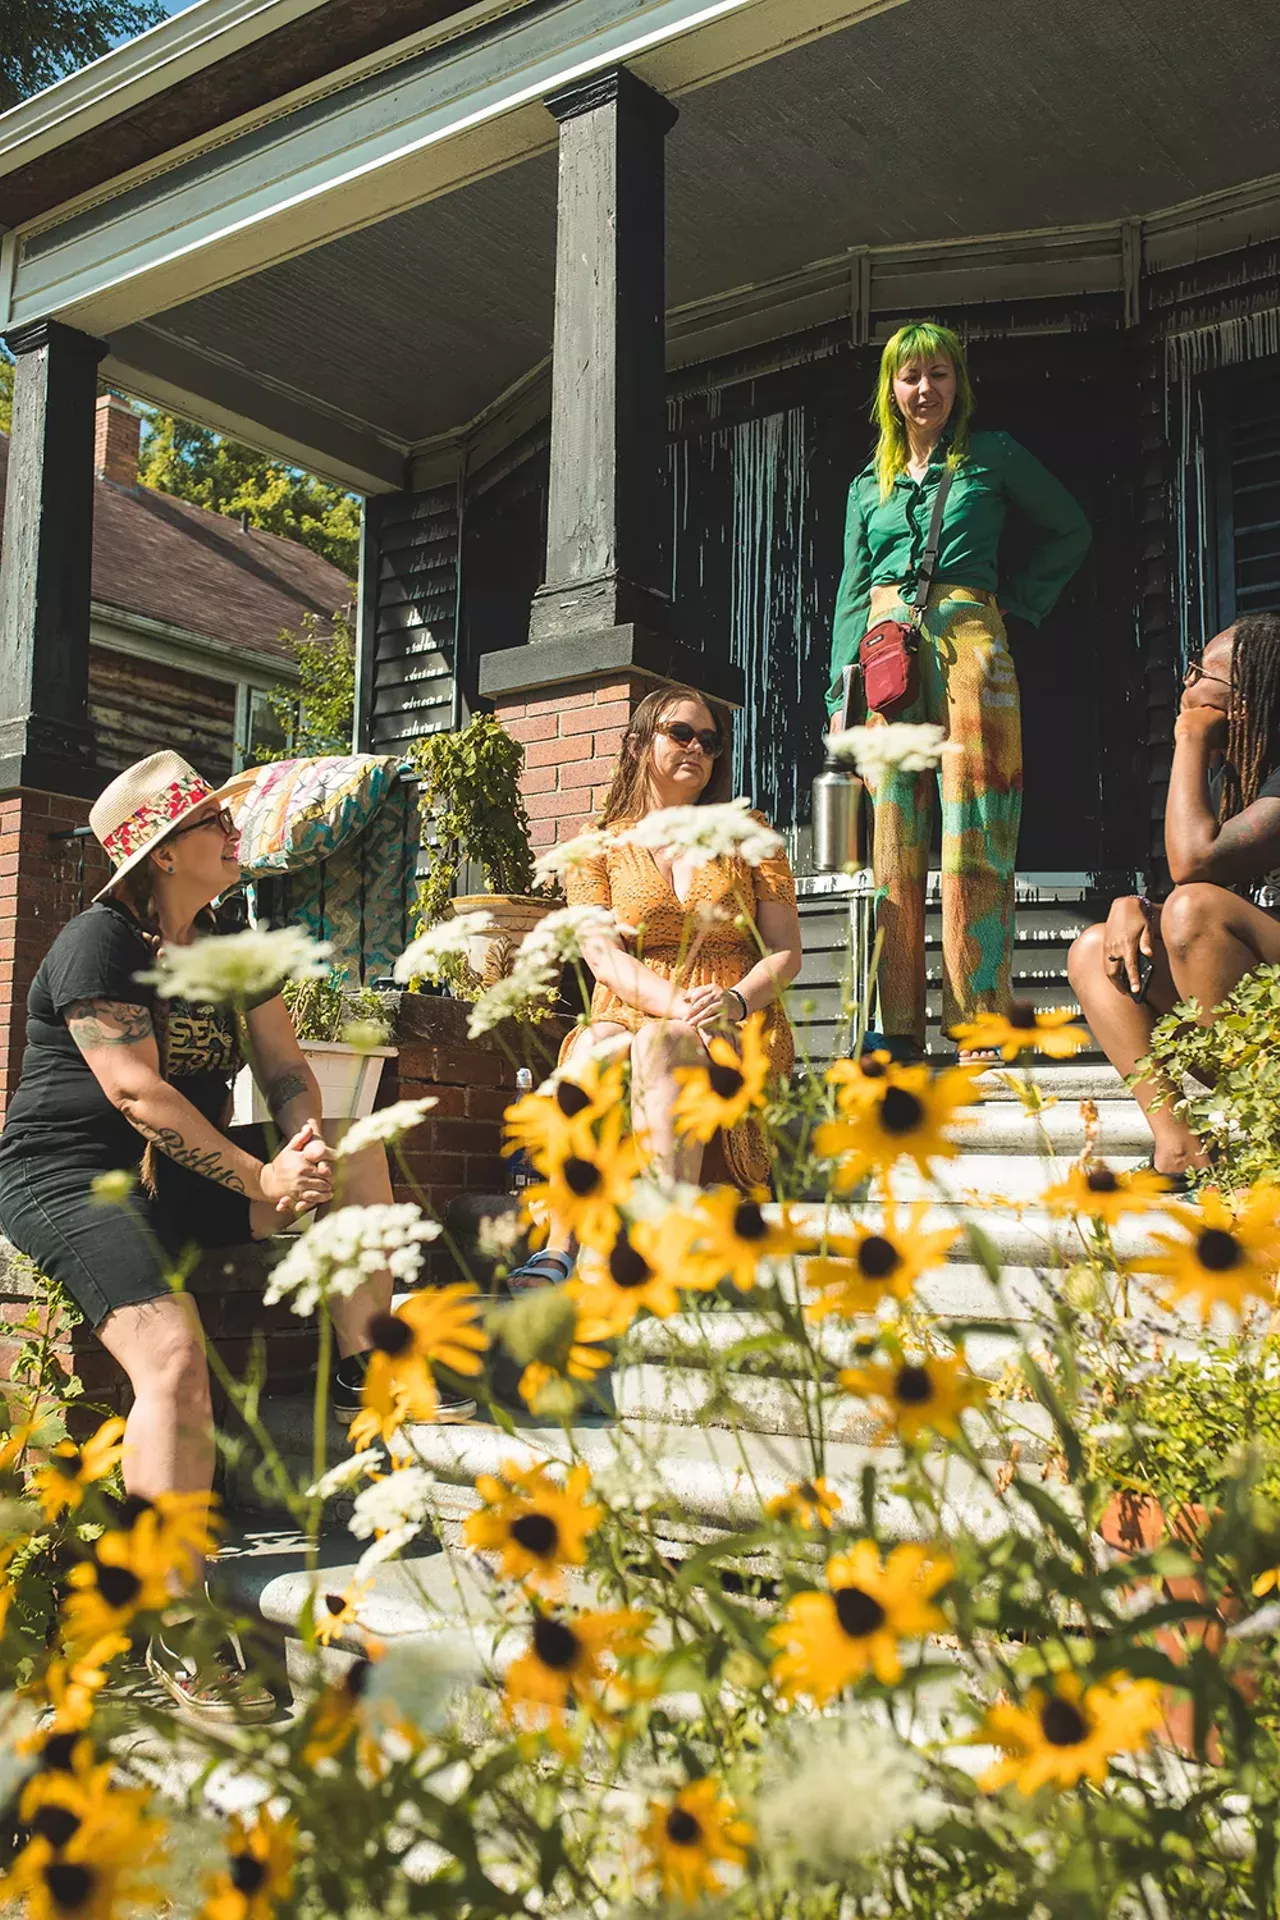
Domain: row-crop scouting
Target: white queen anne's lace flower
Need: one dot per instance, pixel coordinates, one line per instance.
(449, 940)
(339, 1253)
(384, 1126)
(706, 833)
(569, 854)
(529, 985)
(344, 1475)
(836, 1792)
(901, 746)
(559, 937)
(399, 1499)
(238, 966)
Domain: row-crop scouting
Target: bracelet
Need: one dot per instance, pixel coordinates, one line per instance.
(738, 996)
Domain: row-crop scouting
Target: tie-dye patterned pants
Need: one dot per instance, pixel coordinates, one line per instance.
(969, 688)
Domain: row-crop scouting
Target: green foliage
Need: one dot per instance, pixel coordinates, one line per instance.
(1236, 1060)
(41, 40)
(317, 715)
(197, 464)
(472, 809)
(1193, 1425)
(6, 393)
(324, 1009)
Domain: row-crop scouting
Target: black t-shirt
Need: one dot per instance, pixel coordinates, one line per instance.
(59, 1107)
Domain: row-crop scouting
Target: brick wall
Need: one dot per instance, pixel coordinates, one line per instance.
(571, 739)
(41, 888)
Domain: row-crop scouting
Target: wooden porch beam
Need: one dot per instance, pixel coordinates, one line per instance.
(45, 739)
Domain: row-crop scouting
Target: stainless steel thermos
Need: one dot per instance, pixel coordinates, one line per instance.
(837, 819)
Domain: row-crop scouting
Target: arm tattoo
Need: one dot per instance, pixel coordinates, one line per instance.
(174, 1147)
(285, 1087)
(85, 1020)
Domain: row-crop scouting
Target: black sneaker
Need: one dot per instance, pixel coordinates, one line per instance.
(347, 1379)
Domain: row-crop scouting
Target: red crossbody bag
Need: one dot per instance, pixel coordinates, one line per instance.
(888, 652)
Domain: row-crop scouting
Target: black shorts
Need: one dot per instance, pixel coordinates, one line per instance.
(114, 1254)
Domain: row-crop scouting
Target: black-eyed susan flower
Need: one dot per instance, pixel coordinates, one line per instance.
(1231, 1253)
(1067, 1732)
(570, 1661)
(1099, 1192)
(551, 1126)
(335, 1611)
(179, 1529)
(642, 1271)
(435, 1327)
(90, 1847)
(558, 1346)
(907, 1119)
(587, 1191)
(127, 1574)
(856, 1271)
(258, 1873)
(732, 1237)
(913, 1396)
(1054, 1031)
(333, 1720)
(722, 1090)
(857, 1082)
(809, 1504)
(59, 1485)
(832, 1638)
(536, 1526)
(1266, 1582)
(689, 1836)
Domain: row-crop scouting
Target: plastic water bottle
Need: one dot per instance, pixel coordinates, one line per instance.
(521, 1171)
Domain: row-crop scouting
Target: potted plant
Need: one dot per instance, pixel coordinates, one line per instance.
(344, 1033)
(472, 809)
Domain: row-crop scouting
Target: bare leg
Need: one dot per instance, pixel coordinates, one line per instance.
(1122, 1027)
(657, 1050)
(362, 1181)
(168, 1437)
(1214, 938)
(559, 1238)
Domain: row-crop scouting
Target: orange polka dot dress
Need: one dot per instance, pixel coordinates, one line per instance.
(694, 944)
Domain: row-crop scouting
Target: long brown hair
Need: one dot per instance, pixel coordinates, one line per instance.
(628, 796)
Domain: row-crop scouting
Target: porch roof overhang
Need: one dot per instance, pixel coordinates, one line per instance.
(361, 277)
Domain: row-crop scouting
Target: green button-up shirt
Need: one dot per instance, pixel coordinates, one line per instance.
(884, 539)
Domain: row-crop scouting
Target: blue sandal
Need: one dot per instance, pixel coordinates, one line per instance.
(547, 1269)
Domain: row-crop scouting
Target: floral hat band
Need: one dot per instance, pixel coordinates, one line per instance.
(143, 805)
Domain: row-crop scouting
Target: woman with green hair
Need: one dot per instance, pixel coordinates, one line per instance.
(966, 681)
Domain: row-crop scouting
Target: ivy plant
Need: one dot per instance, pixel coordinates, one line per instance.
(1226, 1077)
(472, 809)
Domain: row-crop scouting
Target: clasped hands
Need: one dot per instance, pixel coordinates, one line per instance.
(704, 1008)
(301, 1175)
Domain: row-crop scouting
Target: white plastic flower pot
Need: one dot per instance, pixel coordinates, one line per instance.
(348, 1082)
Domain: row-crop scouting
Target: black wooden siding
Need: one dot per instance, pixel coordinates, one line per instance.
(1249, 510)
(411, 616)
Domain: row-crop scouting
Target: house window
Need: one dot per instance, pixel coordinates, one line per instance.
(1247, 489)
(260, 735)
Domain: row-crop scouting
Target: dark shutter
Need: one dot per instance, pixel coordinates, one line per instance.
(412, 621)
(1249, 492)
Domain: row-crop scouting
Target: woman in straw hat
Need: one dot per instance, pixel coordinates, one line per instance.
(114, 1078)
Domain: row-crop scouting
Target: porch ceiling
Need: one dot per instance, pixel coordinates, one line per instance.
(931, 121)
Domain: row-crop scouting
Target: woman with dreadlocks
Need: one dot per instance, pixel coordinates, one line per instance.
(1222, 843)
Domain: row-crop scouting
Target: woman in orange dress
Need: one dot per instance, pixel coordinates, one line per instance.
(712, 943)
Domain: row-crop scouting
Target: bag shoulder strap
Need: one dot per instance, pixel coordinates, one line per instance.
(929, 558)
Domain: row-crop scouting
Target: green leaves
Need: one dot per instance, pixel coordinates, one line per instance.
(1236, 1063)
(472, 809)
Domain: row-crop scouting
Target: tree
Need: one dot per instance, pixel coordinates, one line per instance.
(198, 465)
(41, 40)
(316, 716)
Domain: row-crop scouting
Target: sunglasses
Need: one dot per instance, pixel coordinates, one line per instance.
(223, 819)
(711, 742)
(1195, 671)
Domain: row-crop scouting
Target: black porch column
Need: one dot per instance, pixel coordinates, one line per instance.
(608, 407)
(45, 740)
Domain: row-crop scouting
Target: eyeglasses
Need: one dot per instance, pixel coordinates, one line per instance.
(1195, 671)
(223, 819)
(711, 742)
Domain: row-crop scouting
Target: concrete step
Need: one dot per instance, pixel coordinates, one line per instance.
(1074, 1079)
(1006, 1127)
(987, 1178)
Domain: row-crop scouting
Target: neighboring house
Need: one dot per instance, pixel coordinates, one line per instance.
(189, 617)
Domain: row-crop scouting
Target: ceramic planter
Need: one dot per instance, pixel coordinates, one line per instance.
(348, 1082)
(491, 955)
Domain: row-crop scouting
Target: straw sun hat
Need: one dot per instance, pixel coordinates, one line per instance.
(144, 804)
